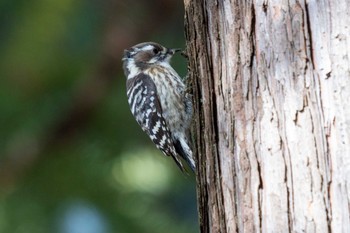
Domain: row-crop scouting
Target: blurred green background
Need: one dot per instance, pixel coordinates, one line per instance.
(72, 158)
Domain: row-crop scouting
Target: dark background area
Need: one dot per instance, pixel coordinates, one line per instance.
(72, 158)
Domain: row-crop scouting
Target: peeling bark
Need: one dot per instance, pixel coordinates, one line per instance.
(271, 87)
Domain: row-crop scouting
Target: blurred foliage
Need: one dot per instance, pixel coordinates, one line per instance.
(72, 158)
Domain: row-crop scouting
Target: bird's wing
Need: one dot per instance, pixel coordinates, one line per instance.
(146, 108)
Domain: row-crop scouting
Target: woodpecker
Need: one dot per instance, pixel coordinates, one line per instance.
(158, 99)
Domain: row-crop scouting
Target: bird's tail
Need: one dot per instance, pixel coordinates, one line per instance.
(185, 151)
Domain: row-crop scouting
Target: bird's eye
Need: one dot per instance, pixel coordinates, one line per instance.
(155, 51)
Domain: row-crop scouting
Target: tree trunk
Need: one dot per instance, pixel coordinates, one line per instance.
(271, 87)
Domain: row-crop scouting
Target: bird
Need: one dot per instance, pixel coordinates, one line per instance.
(159, 100)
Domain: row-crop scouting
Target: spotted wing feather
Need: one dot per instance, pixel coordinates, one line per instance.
(145, 106)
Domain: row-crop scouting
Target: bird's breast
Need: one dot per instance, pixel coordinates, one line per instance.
(170, 90)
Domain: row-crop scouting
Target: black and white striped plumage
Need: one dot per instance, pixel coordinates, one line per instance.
(158, 100)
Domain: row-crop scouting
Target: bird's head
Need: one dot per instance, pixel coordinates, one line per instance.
(148, 54)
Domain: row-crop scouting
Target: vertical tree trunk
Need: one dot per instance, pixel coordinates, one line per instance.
(271, 84)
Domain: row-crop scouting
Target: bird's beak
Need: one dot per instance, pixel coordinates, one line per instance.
(172, 51)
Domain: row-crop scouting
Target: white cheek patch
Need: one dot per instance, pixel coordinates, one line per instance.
(166, 64)
(153, 60)
(133, 69)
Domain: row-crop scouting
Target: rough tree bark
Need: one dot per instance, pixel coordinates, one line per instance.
(271, 85)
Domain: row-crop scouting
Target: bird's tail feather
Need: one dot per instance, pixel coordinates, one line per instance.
(184, 150)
